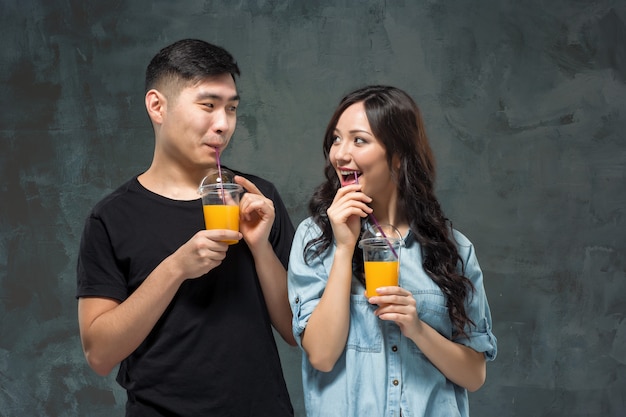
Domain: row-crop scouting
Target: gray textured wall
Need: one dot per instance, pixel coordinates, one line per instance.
(525, 104)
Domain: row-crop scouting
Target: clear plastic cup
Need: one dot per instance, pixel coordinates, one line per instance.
(220, 201)
(381, 256)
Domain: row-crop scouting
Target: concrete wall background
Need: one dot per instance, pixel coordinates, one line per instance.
(525, 106)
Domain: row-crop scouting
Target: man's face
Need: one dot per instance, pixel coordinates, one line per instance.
(201, 118)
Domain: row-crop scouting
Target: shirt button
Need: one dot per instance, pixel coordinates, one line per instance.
(394, 348)
(395, 382)
(297, 300)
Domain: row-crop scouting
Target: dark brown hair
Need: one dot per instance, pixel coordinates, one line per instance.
(396, 121)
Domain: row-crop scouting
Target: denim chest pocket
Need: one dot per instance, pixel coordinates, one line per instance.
(365, 334)
(432, 310)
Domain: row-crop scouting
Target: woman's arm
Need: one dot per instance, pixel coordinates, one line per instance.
(326, 333)
(460, 364)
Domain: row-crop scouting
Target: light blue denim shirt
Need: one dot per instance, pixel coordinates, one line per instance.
(381, 372)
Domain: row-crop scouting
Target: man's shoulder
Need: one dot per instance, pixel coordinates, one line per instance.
(116, 196)
(250, 176)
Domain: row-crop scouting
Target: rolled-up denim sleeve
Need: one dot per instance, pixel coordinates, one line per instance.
(306, 281)
(481, 337)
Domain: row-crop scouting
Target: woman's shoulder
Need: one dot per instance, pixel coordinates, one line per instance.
(460, 238)
(308, 228)
(466, 249)
(308, 234)
(464, 245)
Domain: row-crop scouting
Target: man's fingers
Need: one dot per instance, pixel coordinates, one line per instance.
(248, 185)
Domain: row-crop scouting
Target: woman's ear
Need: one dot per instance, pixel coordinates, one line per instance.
(155, 105)
(396, 162)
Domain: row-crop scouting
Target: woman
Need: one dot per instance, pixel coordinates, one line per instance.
(413, 349)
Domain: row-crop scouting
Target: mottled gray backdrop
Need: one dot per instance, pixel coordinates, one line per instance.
(524, 102)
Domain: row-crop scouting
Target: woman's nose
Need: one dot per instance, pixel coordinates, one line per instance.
(343, 151)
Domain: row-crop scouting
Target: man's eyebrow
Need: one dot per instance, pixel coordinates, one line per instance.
(212, 96)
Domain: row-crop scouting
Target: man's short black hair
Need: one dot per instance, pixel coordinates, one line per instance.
(189, 60)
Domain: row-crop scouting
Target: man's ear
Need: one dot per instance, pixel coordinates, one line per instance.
(155, 105)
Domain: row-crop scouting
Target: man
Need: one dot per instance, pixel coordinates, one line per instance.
(187, 317)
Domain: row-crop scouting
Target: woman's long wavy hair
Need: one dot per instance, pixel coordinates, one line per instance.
(396, 121)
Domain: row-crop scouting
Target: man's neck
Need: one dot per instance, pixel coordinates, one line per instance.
(175, 184)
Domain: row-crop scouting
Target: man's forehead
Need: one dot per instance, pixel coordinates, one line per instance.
(216, 95)
(215, 88)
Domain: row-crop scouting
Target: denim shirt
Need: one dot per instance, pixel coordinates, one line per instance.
(381, 372)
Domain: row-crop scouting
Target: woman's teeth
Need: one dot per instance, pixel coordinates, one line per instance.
(348, 176)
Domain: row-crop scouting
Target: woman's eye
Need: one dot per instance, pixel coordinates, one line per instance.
(359, 140)
(336, 139)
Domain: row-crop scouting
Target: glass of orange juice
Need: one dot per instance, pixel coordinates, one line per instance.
(381, 256)
(220, 201)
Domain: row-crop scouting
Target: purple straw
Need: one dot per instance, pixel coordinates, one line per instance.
(219, 172)
(371, 216)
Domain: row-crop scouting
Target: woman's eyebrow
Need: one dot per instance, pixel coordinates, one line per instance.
(354, 131)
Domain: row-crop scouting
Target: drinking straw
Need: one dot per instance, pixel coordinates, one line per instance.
(371, 216)
(219, 172)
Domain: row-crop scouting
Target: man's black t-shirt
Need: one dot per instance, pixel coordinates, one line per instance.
(212, 353)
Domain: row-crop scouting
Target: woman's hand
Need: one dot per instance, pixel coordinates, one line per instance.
(398, 305)
(345, 213)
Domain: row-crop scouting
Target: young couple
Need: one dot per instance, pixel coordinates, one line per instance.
(189, 319)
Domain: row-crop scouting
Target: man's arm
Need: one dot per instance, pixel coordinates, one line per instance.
(110, 330)
(257, 218)
(273, 280)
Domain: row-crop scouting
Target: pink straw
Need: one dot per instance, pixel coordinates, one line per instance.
(371, 216)
(219, 172)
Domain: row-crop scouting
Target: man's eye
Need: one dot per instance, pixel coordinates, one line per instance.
(232, 108)
(209, 105)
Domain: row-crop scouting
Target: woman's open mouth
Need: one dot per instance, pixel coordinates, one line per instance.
(349, 177)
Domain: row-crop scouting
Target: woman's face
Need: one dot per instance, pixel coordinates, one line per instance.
(356, 152)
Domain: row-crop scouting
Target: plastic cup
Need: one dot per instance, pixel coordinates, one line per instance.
(220, 201)
(381, 257)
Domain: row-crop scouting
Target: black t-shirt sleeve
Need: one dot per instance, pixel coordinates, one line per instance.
(283, 230)
(98, 273)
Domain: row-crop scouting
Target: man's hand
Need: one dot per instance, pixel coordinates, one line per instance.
(256, 213)
(203, 252)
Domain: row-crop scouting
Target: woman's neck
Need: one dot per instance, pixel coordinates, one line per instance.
(388, 213)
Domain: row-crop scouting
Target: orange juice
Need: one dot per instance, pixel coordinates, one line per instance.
(380, 274)
(222, 217)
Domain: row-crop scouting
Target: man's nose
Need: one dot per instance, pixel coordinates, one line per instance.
(220, 121)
